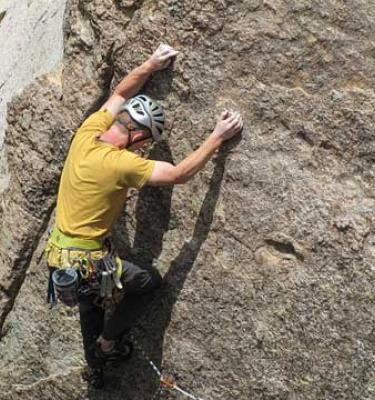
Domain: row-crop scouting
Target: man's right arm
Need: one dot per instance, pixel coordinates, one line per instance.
(165, 173)
(131, 84)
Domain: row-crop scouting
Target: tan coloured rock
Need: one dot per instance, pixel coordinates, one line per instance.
(31, 45)
(268, 254)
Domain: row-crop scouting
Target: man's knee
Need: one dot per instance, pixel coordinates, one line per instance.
(155, 279)
(140, 280)
(149, 280)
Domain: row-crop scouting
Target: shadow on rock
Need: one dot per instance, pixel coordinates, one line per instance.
(160, 87)
(152, 217)
(136, 379)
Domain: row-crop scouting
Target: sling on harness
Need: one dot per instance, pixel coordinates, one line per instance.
(108, 268)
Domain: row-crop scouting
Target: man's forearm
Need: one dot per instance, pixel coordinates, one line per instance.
(187, 168)
(133, 82)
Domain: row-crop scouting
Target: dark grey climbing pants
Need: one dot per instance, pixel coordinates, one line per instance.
(138, 284)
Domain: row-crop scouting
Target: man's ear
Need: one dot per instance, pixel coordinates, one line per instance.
(137, 135)
(141, 135)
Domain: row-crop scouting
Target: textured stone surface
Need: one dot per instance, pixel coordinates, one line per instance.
(31, 45)
(268, 254)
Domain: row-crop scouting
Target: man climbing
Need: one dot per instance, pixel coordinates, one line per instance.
(101, 165)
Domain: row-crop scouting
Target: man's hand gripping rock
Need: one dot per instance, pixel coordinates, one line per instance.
(229, 124)
(162, 57)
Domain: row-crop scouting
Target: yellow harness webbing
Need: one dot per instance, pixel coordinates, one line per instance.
(63, 241)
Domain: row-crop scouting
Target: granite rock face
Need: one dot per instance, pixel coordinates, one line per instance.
(268, 253)
(31, 45)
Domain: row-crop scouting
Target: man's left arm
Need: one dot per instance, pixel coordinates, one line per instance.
(133, 82)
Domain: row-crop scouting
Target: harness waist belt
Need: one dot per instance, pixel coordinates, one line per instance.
(64, 241)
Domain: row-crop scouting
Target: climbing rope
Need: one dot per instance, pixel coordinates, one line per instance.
(164, 383)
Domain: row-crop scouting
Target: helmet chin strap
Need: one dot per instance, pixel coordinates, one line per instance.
(131, 141)
(129, 126)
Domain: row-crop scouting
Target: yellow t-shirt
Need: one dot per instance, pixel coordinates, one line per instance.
(95, 180)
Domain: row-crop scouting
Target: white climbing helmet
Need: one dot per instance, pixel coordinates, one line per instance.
(146, 112)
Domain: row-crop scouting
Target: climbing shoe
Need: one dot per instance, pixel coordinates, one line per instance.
(93, 376)
(121, 351)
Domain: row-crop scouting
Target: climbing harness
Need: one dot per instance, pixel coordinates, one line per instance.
(164, 383)
(64, 241)
(99, 269)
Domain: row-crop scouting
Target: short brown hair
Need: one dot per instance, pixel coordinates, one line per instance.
(135, 124)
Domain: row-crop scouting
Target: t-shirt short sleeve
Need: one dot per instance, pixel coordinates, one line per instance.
(97, 122)
(134, 171)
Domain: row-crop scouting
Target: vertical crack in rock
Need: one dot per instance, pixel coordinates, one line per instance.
(2, 15)
(19, 269)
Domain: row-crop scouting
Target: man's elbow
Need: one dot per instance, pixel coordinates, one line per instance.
(179, 178)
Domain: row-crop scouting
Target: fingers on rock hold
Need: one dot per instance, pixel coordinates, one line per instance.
(224, 114)
(231, 117)
(167, 55)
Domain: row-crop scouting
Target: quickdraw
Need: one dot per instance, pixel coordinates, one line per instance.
(164, 383)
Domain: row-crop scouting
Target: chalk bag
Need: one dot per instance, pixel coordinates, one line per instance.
(66, 286)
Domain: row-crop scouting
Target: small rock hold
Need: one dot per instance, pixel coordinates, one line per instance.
(253, 5)
(336, 95)
(127, 3)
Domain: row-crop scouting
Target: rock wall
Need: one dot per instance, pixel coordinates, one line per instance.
(31, 45)
(268, 254)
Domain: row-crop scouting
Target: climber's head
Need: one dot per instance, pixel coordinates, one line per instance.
(140, 121)
(142, 114)
(146, 114)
